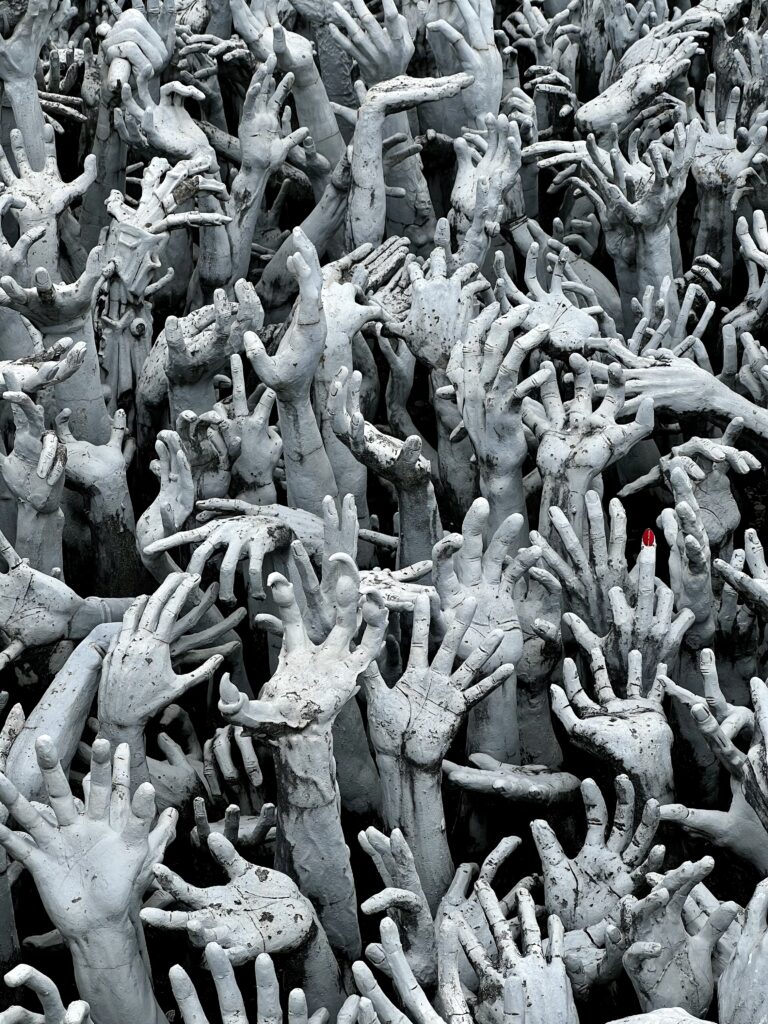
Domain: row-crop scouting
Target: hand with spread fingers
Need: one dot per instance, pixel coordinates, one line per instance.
(91, 863)
(630, 732)
(256, 911)
(582, 890)
(521, 972)
(669, 961)
(413, 724)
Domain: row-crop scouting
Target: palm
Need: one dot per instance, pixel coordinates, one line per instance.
(495, 610)
(625, 728)
(257, 911)
(435, 710)
(251, 912)
(175, 132)
(39, 608)
(88, 856)
(717, 161)
(437, 318)
(596, 875)
(569, 327)
(137, 677)
(677, 971)
(261, 142)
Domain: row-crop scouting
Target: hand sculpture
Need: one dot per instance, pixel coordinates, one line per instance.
(295, 712)
(413, 724)
(34, 474)
(630, 732)
(92, 863)
(256, 911)
(54, 1011)
(328, 304)
(230, 997)
(664, 956)
(541, 978)
(576, 446)
(39, 609)
(582, 890)
(142, 651)
(735, 986)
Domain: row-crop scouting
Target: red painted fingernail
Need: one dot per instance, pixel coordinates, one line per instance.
(649, 538)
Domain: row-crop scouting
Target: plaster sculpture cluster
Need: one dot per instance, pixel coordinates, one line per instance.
(382, 599)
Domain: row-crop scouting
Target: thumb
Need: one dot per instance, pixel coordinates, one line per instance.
(718, 922)
(257, 356)
(173, 752)
(635, 957)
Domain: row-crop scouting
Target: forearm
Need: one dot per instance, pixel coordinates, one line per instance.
(420, 526)
(421, 819)
(626, 278)
(95, 612)
(244, 208)
(493, 726)
(214, 257)
(654, 259)
(9, 938)
(276, 284)
(538, 742)
(568, 492)
(313, 110)
(83, 392)
(401, 424)
(356, 771)
(28, 115)
(38, 537)
(350, 475)
(314, 969)
(308, 473)
(311, 847)
(367, 211)
(458, 474)
(200, 397)
(111, 160)
(117, 567)
(112, 977)
(715, 234)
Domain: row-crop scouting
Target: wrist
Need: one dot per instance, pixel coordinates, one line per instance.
(105, 946)
(505, 494)
(305, 769)
(255, 494)
(306, 76)
(109, 499)
(112, 975)
(654, 257)
(200, 397)
(96, 611)
(249, 184)
(654, 777)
